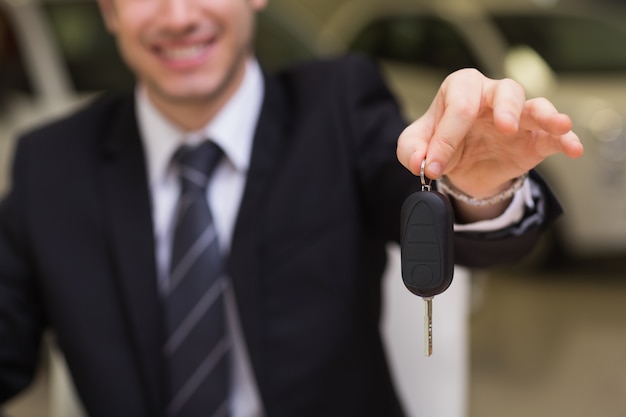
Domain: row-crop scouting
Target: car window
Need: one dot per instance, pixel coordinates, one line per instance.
(89, 51)
(12, 73)
(419, 40)
(569, 44)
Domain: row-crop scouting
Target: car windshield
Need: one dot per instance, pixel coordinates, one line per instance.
(417, 40)
(569, 44)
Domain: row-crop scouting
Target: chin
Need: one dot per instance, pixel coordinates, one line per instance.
(189, 91)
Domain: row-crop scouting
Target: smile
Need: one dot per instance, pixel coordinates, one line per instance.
(181, 53)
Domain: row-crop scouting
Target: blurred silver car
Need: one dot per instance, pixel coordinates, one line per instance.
(56, 53)
(570, 51)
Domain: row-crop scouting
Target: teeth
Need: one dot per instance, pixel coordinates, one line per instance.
(186, 52)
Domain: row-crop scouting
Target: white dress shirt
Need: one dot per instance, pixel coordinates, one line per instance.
(233, 130)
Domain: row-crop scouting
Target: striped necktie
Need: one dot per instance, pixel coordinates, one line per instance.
(197, 347)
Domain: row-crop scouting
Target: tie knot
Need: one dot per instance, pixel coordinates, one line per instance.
(196, 164)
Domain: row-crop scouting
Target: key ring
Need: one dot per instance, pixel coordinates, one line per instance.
(425, 185)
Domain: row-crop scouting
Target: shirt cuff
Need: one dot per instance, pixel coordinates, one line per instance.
(522, 199)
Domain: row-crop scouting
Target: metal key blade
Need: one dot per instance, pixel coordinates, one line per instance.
(428, 326)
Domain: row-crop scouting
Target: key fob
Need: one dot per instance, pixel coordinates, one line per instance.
(427, 251)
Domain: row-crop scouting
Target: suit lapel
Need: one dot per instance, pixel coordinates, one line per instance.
(126, 195)
(244, 260)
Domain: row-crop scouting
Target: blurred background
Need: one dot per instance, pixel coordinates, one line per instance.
(544, 337)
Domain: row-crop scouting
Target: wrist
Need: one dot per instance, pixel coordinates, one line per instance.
(451, 190)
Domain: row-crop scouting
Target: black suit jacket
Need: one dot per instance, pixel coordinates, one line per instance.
(322, 200)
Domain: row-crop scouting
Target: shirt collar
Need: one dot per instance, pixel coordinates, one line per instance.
(232, 128)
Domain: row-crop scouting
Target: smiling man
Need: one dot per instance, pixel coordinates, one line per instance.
(249, 288)
(189, 55)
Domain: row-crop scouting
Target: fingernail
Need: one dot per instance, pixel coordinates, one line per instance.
(435, 169)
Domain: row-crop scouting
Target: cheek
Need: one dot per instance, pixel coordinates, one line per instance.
(131, 16)
(258, 5)
(133, 26)
(244, 26)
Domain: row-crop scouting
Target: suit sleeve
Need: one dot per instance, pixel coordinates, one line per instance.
(511, 243)
(20, 317)
(385, 183)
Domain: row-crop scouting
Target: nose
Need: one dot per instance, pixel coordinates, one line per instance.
(179, 14)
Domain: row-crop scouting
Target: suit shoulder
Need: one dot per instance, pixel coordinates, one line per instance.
(340, 66)
(333, 63)
(88, 121)
(347, 78)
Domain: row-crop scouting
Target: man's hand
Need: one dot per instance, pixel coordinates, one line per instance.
(482, 133)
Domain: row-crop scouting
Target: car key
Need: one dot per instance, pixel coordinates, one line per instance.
(427, 252)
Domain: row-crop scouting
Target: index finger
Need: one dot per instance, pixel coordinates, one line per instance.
(467, 98)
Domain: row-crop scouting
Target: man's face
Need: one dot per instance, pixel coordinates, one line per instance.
(184, 50)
